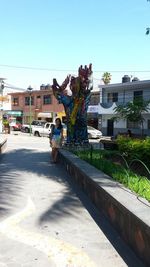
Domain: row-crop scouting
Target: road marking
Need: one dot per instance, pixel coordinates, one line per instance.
(62, 253)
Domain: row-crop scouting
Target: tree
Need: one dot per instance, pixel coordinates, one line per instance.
(133, 111)
(106, 78)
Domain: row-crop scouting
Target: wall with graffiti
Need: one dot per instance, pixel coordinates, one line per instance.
(75, 101)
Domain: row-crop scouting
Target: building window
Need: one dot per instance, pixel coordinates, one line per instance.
(27, 100)
(138, 95)
(47, 99)
(38, 96)
(15, 101)
(112, 97)
(133, 124)
(94, 100)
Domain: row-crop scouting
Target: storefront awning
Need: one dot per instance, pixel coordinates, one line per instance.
(15, 113)
(61, 114)
(45, 115)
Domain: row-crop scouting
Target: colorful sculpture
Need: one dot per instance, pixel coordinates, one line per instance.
(75, 103)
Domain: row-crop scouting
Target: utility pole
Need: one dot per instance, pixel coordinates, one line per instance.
(1, 103)
(29, 89)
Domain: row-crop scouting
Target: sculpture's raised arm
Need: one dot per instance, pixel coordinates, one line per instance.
(85, 75)
(59, 89)
(65, 83)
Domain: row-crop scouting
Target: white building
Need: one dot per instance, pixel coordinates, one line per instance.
(121, 93)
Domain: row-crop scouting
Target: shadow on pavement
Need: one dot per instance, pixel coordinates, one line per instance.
(12, 185)
(33, 161)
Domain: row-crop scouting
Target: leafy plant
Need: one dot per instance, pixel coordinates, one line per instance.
(102, 160)
(106, 78)
(132, 111)
(5, 122)
(135, 148)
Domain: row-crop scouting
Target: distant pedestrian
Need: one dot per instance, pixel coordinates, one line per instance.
(56, 138)
(129, 133)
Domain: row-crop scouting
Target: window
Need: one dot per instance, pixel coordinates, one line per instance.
(133, 124)
(38, 96)
(38, 122)
(47, 99)
(94, 100)
(47, 125)
(112, 97)
(138, 95)
(27, 100)
(15, 101)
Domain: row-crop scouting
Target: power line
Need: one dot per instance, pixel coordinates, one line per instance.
(67, 70)
(120, 71)
(16, 88)
(13, 87)
(33, 68)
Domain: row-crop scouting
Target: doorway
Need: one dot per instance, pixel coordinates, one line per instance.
(110, 127)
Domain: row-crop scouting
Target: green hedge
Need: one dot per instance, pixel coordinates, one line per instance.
(102, 160)
(135, 148)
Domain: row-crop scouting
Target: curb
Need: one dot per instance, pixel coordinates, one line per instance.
(129, 215)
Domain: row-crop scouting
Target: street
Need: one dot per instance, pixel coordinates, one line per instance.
(45, 220)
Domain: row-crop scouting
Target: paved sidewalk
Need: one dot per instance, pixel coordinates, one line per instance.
(45, 220)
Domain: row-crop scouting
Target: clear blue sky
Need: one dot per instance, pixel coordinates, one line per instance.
(63, 34)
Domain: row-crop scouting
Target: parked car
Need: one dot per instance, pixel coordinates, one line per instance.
(26, 127)
(16, 127)
(45, 130)
(42, 130)
(93, 133)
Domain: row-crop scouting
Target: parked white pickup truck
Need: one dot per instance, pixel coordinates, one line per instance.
(43, 130)
(26, 127)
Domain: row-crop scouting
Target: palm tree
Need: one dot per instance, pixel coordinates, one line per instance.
(147, 31)
(106, 78)
(133, 111)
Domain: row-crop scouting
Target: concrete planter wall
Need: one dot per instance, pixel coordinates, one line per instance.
(3, 144)
(129, 216)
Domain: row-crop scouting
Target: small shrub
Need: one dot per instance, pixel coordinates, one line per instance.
(135, 148)
(101, 160)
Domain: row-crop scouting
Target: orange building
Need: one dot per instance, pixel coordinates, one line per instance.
(44, 105)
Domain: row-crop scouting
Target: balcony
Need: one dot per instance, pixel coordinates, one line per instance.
(107, 108)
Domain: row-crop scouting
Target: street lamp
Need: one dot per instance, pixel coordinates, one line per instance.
(1, 106)
(29, 89)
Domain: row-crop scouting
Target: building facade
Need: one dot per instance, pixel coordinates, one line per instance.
(36, 104)
(93, 116)
(122, 93)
